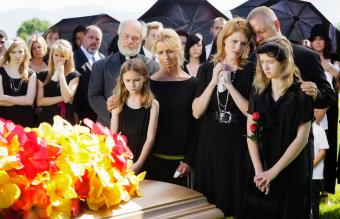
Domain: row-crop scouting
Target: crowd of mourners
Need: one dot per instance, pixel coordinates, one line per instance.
(248, 119)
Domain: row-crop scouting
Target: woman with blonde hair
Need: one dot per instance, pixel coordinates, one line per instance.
(38, 49)
(174, 89)
(279, 146)
(17, 84)
(222, 102)
(57, 85)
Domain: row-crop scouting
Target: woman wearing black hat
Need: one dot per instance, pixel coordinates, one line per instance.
(321, 44)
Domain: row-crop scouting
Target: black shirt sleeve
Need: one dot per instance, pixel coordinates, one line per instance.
(205, 70)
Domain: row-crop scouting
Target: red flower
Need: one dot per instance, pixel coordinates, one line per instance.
(34, 156)
(256, 116)
(121, 152)
(82, 185)
(253, 128)
(96, 128)
(75, 207)
(34, 197)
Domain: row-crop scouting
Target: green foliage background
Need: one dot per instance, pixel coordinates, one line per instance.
(32, 26)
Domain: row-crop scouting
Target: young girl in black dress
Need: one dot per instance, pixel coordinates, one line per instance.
(57, 86)
(17, 85)
(135, 114)
(281, 187)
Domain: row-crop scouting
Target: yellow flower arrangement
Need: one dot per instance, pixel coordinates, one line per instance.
(47, 171)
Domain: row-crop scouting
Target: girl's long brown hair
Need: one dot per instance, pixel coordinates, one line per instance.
(120, 91)
(24, 65)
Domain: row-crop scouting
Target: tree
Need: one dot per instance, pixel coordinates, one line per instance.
(32, 26)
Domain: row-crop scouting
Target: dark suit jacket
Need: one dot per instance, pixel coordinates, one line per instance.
(81, 103)
(103, 80)
(308, 62)
(311, 69)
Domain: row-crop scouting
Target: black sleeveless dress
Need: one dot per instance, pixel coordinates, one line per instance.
(22, 115)
(52, 89)
(134, 123)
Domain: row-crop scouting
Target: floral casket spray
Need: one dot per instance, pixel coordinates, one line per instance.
(55, 171)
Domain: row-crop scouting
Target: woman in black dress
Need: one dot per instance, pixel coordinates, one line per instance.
(221, 101)
(17, 85)
(174, 89)
(194, 54)
(57, 86)
(321, 44)
(280, 187)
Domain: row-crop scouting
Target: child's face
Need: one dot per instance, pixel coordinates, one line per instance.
(318, 114)
(133, 81)
(271, 67)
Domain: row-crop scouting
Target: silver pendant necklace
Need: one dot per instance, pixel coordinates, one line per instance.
(14, 88)
(222, 115)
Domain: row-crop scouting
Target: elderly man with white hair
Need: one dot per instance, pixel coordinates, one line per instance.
(105, 71)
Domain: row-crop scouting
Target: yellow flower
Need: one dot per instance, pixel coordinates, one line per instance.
(7, 161)
(9, 192)
(112, 195)
(59, 188)
(63, 210)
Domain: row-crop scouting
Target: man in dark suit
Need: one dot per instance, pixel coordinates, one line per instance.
(84, 57)
(105, 71)
(215, 31)
(264, 24)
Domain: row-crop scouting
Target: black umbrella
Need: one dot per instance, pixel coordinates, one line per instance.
(193, 16)
(296, 17)
(106, 23)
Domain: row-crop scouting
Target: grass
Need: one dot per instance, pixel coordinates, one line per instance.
(331, 211)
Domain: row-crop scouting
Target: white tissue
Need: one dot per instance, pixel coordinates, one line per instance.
(177, 174)
(220, 85)
(55, 77)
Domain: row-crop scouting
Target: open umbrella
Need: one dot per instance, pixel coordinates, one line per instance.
(106, 23)
(296, 17)
(193, 16)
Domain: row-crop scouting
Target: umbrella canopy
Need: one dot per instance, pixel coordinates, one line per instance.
(106, 23)
(296, 17)
(193, 16)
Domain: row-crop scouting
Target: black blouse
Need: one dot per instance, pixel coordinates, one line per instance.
(52, 89)
(176, 125)
(243, 78)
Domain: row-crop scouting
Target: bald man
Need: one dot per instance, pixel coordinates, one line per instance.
(265, 25)
(215, 30)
